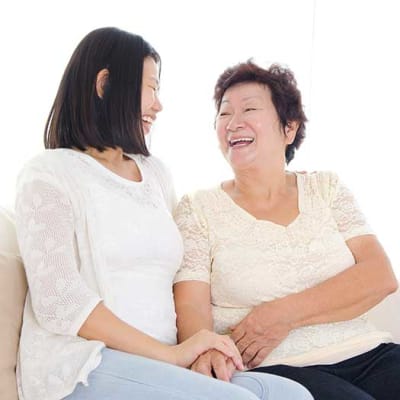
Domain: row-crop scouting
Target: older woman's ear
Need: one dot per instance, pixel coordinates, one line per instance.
(101, 80)
(290, 131)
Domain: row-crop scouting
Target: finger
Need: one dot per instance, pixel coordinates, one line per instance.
(250, 352)
(237, 333)
(202, 365)
(231, 351)
(202, 368)
(219, 366)
(231, 368)
(245, 342)
(238, 359)
(260, 357)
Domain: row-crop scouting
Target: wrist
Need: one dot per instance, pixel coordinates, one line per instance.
(169, 354)
(290, 310)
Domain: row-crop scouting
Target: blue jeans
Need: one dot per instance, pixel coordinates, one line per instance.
(374, 375)
(123, 376)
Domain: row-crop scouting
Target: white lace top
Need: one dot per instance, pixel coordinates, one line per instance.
(86, 235)
(248, 261)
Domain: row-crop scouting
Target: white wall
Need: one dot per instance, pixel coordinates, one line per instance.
(343, 54)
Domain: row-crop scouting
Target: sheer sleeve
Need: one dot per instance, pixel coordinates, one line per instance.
(196, 264)
(61, 300)
(350, 220)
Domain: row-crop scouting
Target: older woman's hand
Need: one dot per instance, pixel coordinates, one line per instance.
(260, 332)
(214, 363)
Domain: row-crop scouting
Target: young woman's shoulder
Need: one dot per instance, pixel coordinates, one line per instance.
(45, 165)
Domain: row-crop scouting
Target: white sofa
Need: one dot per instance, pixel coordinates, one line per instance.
(12, 296)
(13, 291)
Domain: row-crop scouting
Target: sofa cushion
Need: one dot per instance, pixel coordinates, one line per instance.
(12, 298)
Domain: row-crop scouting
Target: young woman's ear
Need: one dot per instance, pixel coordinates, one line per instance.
(101, 80)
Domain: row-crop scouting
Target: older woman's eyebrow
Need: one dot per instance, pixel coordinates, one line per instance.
(247, 98)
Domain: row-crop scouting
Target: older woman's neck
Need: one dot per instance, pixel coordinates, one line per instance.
(261, 183)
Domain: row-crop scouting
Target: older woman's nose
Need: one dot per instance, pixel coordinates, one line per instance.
(234, 123)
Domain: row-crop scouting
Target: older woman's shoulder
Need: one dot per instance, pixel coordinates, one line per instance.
(202, 199)
(323, 183)
(206, 196)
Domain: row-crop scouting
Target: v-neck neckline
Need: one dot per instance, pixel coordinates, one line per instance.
(250, 217)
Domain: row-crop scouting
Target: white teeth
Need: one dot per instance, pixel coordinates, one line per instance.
(240, 140)
(148, 119)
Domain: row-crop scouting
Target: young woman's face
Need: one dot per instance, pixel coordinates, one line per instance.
(151, 104)
(248, 126)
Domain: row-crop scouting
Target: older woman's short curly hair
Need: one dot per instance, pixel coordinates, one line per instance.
(285, 95)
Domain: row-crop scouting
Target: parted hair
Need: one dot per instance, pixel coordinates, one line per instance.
(79, 118)
(285, 95)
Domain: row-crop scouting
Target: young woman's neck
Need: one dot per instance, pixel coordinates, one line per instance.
(109, 155)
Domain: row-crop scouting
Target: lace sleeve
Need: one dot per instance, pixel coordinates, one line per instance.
(61, 300)
(196, 264)
(350, 220)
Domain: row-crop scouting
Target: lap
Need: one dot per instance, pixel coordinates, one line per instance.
(372, 375)
(125, 376)
(271, 387)
(322, 385)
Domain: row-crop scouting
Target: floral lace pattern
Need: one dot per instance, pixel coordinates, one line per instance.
(62, 198)
(248, 261)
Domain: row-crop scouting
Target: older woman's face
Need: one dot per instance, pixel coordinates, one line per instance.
(248, 127)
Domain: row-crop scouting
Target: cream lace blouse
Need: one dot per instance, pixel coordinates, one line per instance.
(86, 235)
(248, 261)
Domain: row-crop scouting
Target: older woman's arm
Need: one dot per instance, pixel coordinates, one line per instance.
(342, 297)
(192, 290)
(193, 309)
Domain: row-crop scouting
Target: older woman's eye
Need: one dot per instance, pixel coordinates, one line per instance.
(249, 109)
(223, 114)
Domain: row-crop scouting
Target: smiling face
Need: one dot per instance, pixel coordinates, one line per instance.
(151, 104)
(248, 127)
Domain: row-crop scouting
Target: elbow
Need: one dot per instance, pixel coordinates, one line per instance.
(392, 286)
(53, 325)
(385, 278)
(51, 320)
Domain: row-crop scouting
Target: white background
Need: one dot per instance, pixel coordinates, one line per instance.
(343, 52)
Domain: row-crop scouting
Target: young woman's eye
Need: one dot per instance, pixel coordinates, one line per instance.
(223, 114)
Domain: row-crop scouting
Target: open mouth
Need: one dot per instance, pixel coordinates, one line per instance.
(240, 142)
(147, 123)
(147, 119)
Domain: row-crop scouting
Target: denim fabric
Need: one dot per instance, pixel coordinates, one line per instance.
(123, 376)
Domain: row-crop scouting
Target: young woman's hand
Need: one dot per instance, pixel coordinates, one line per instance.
(187, 352)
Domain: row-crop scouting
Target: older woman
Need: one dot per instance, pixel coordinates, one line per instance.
(283, 261)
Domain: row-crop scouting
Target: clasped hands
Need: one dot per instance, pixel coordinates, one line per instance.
(263, 329)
